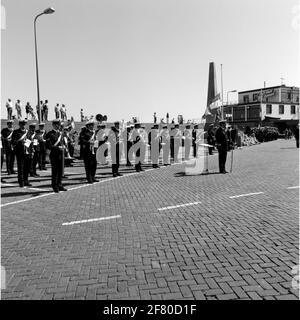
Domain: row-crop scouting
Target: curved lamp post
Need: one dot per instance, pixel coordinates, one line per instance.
(46, 11)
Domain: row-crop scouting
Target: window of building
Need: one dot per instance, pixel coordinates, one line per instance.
(255, 96)
(281, 109)
(289, 96)
(293, 109)
(246, 99)
(269, 109)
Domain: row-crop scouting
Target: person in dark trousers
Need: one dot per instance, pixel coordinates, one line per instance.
(114, 140)
(222, 145)
(54, 142)
(128, 145)
(22, 146)
(87, 139)
(211, 139)
(41, 136)
(154, 140)
(138, 146)
(35, 150)
(7, 147)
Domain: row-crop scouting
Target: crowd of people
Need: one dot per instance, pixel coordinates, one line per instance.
(29, 145)
(40, 113)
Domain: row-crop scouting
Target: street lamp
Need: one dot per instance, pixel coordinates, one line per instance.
(46, 11)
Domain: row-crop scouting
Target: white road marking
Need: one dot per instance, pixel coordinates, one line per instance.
(294, 187)
(90, 220)
(179, 206)
(245, 195)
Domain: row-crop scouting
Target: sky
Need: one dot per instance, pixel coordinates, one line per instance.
(125, 58)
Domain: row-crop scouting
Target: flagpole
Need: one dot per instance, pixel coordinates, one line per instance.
(222, 107)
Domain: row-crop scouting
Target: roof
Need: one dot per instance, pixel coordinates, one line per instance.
(268, 88)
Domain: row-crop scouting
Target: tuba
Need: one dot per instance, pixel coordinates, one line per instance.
(100, 118)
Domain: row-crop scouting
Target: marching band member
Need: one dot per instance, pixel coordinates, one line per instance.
(102, 144)
(41, 136)
(165, 141)
(21, 143)
(177, 138)
(87, 139)
(139, 146)
(187, 141)
(7, 147)
(35, 150)
(128, 139)
(154, 141)
(115, 144)
(54, 142)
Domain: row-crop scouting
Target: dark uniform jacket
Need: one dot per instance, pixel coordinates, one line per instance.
(41, 136)
(221, 139)
(51, 139)
(7, 138)
(84, 140)
(18, 144)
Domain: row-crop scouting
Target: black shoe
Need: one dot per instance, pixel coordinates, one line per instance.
(119, 174)
(27, 184)
(3, 181)
(56, 190)
(95, 180)
(141, 169)
(35, 175)
(90, 181)
(62, 189)
(45, 169)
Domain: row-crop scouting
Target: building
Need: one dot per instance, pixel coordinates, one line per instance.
(273, 106)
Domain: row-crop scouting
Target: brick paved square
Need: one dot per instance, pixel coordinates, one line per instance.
(223, 248)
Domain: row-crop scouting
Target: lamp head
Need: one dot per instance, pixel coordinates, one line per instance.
(49, 11)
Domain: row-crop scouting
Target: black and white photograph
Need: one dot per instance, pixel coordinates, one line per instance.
(150, 153)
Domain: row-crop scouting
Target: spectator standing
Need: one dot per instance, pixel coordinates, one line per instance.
(27, 109)
(9, 109)
(42, 110)
(154, 118)
(18, 109)
(56, 111)
(45, 111)
(167, 117)
(81, 115)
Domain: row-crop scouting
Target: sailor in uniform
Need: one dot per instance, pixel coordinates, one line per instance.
(22, 146)
(7, 147)
(102, 138)
(87, 138)
(222, 145)
(177, 138)
(154, 140)
(55, 143)
(165, 141)
(115, 148)
(35, 150)
(138, 146)
(187, 133)
(41, 136)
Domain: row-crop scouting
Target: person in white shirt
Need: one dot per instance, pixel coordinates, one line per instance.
(9, 108)
(18, 109)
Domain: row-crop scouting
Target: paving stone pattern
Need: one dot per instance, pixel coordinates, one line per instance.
(222, 248)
